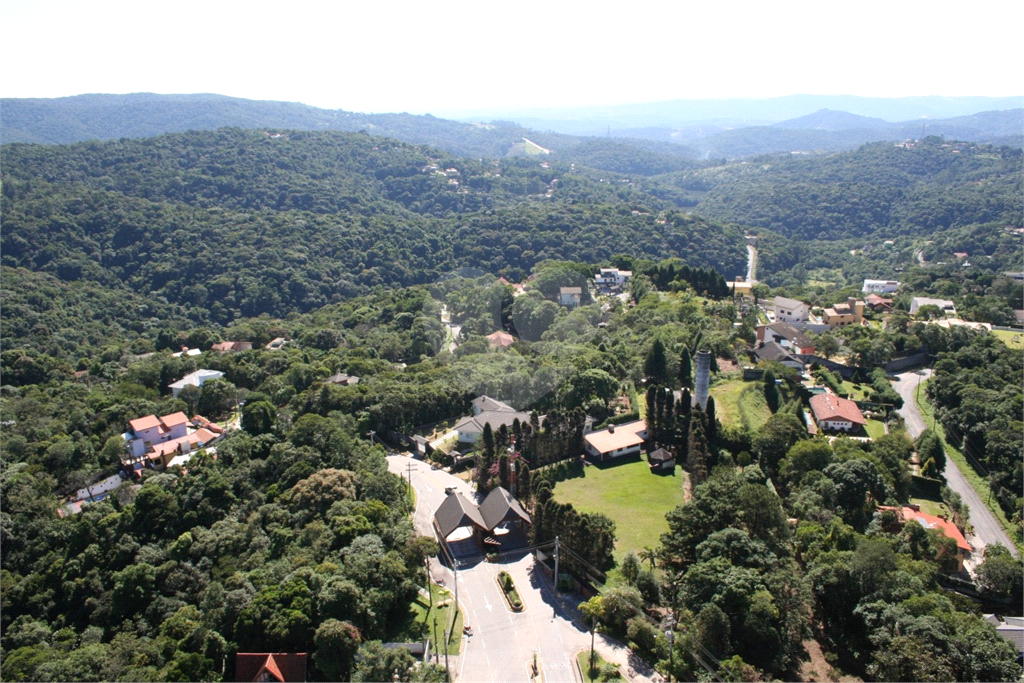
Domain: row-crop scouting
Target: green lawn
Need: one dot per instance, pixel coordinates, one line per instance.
(592, 676)
(419, 622)
(875, 429)
(634, 498)
(855, 394)
(1015, 340)
(739, 403)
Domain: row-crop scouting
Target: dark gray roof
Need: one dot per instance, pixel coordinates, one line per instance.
(660, 455)
(774, 351)
(790, 333)
(457, 511)
(499, 506)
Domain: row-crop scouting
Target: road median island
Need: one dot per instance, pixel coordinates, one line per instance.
(508, 590)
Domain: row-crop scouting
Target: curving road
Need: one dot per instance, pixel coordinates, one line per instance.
(503, 643)
(987, 528)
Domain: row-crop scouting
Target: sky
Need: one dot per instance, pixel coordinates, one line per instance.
(456, 56)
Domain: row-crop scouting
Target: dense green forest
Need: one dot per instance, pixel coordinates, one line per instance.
(234, 223)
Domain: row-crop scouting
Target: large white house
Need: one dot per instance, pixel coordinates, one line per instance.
(487, 410)
(195, 379)
(791, 310)
(945, 305)
(880, 286)
(613, 277)
(145, 432)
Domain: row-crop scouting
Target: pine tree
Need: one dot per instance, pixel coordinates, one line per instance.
(656, 363)
(685, 368)
(712, 427)
(652, 420)
(771, 392)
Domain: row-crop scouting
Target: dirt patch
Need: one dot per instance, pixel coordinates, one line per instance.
(818, 668)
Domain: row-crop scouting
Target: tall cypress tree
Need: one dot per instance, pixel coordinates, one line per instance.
(712, 427)
(771, 392)
(656, 363)
(685, 368)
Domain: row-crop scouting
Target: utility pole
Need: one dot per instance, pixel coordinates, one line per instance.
(556, 565)
(372, 434)
(671, 634)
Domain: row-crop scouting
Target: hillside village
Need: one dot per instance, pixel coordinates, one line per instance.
(789, 373)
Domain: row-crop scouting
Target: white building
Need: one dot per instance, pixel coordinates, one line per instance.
(613, 277)
(945, 305)
(791, 310)
(195, 379)
(147, 431)
(617, 441)
(570, 296)
(880, 286)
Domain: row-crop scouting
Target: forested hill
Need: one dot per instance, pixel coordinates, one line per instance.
(68, 120)
(881, 189)
(236, 223)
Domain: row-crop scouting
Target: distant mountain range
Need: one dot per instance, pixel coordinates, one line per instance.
(643, 150)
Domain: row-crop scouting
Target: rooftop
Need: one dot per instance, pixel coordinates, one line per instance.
(831, 407)
(617, 436)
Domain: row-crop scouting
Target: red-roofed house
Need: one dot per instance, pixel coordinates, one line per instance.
(500, 340)
(270, 666)
(835, 414)
(150, 430)
(907, 514)
(226, 346)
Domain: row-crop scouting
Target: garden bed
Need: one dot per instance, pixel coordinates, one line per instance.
(508, 589)
(602, 670)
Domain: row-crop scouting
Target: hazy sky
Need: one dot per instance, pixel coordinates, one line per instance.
(445, 56)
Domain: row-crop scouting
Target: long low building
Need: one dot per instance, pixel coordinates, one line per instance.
(617, 441)
(833, 413)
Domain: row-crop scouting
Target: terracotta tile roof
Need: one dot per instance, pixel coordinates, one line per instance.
(142, 423)
(830, 407)
(932, 522)
(616, 437)
(174, 419)
(501, 339)
(282, 666)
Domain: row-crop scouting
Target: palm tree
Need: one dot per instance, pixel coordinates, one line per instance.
(648, 555)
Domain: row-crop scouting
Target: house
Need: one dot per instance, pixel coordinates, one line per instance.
(1012, 629)
(786, 336)
(90, 494)
(613, 278)
(270, 666)
(471, 428)
(913, 513)
(155, 442)
(482, 404)
(791, 310)
(146, 432)
(458, 514)
(276, 343)
(661, 461)
(877, 303)
(615, 442)
(500, 340)
(185, 351)
(842, 315)
(343, 379)
(228, 346)
(195, 379)
(880, 286)
(945, 305)
(774, 351)
(487, 410)
(833, 413)
(570, 296)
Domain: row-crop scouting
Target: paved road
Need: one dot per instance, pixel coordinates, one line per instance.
(986, 528)
(503, 642)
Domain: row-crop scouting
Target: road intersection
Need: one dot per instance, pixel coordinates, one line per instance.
(504, 643)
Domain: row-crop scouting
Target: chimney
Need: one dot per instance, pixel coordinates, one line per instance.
(703, 378)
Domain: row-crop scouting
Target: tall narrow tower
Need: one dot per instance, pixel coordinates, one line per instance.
(703, 378)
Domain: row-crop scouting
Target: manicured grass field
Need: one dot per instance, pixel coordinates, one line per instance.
(1015, 340)
(740, 403)
(634, 498)
(875, 429)
(855, 394)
